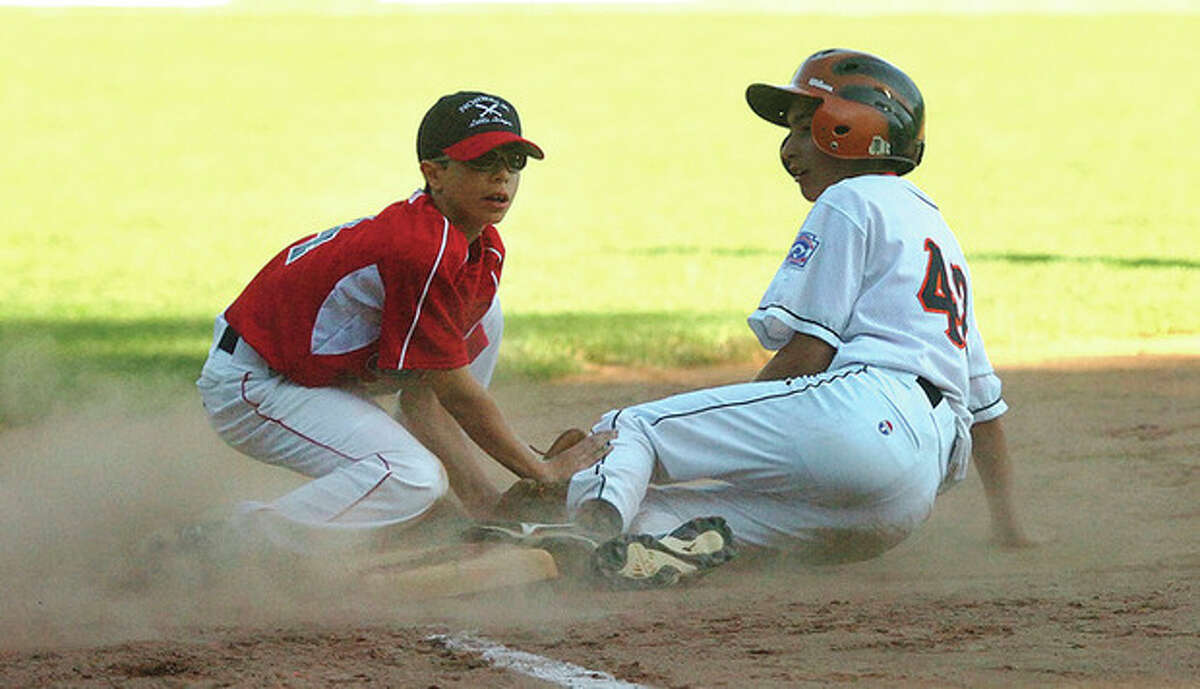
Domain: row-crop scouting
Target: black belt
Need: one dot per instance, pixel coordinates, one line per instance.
(229, 340)
(931, 390)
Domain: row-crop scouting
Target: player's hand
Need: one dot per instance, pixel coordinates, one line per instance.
(565, 463)
(1013, 537)
(564, 441)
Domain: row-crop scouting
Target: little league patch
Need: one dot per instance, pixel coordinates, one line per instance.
(802, 249)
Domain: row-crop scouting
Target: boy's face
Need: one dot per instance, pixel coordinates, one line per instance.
(470, 197)
(813, 169)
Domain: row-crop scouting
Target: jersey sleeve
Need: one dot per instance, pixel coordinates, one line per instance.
(436, 340)
(481, 290)
(813, 291)
(984, 399)
(422, 324)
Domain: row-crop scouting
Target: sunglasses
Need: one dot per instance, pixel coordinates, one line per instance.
(493, 159)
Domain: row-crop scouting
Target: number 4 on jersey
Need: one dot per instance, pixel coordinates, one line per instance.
(945, 294)
(318, 239)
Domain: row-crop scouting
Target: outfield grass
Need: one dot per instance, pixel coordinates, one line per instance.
(156, 158)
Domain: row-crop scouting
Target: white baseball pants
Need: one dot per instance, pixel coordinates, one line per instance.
(367, 470)
(841, 465)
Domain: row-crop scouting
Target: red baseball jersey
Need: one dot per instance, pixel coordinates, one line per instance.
(400, 290)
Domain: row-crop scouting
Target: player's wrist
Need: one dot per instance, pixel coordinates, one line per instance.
(538, 469)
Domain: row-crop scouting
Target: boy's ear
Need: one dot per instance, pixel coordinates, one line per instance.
(432, 172)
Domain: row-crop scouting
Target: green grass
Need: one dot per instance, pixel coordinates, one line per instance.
(155, 159)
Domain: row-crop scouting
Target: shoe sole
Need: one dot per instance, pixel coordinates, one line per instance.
(643, 561)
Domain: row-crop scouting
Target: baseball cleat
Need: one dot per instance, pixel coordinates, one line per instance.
(642, 561)
(570, 544)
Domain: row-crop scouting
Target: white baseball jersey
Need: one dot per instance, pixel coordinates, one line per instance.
(845, 463)
(877, 274)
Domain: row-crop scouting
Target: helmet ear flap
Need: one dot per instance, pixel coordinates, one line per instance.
(846, 129)
(852, 130)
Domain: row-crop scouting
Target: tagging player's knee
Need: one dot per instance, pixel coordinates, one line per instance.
(428, 482)
(408, 485)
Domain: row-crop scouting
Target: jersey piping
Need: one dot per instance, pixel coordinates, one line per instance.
(927, 201)
(412, 328)
(987, 406)
(741, 403)
(781, 307)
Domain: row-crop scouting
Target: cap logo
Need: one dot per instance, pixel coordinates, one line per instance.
(879, 146)
(814, 81)
(490, 112)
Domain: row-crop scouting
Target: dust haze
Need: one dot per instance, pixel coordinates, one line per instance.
(82, 491)
(1106, 453)
(82, 495)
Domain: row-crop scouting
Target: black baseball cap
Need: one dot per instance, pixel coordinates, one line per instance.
(467, 124)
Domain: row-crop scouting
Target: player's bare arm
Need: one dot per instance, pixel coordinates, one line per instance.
(804, 355)
(990, 451)
(385, 383)
(478, 415)
(424, 417)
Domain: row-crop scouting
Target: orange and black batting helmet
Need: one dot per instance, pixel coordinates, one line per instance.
(868, 109)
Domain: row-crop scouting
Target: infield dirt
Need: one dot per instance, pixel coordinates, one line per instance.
(1108, 458)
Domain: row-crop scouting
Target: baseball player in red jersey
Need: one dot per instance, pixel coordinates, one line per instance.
(877, 393)
(403, 301)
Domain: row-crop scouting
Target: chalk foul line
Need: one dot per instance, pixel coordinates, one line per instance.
(538, 667)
